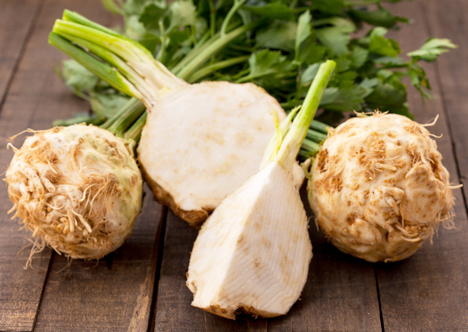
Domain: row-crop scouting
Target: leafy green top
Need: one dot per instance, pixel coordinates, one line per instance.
(282, 50)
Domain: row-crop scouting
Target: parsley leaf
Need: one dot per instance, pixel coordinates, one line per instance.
(431, 49)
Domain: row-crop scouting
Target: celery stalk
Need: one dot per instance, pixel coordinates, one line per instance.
(292, 140)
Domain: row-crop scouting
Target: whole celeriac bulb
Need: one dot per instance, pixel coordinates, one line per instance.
(378, 187)
(77, 188)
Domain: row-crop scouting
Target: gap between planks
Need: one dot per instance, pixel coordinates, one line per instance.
(159, 246)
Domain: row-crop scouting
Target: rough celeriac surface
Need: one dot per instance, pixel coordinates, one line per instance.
(202, 141)
(78, 189)
(252, 254)
(378, 187)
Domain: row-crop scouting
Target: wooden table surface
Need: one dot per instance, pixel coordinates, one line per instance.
(141, 287)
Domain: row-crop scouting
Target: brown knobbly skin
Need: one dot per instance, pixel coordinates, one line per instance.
(322, 159)
(78, 189)
(388, 194)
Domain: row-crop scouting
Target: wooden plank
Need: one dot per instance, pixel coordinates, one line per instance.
(449, 18)
(35, 98)
(16, 21)
(340, 293)
(173, 309)
(429, 291)
(112, 295)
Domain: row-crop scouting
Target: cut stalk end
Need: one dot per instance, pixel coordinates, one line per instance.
(291, 137)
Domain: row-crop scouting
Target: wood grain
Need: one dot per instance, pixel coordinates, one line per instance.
(427, 292)
(173, 310)
(448, 18)
(16, 22)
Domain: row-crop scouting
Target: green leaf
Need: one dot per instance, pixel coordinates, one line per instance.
(307, 50)
(304, 30)
(380, 17)
(389, 97)
(334, 40)
(311, 52)
(369, 84)
(79, 79)
(390, 61)
(273, 11)
(346, 99)
(381, 45)
(343, 63)
(112, 6)
(183, 13)
(279, 35)
(152, 15)
(309, 74)
(345, 79)
(334, 7)
(432, 48)
(341, 24)
(105, 105)
(136, 7)
(267, 62)
(419, 80)
(337, 37)
(135, 30)
(358, 56)
(79, 118)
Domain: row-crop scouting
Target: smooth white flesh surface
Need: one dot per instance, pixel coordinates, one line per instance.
(77, 188)
(202, 141)
(378, 187)
(252, 255)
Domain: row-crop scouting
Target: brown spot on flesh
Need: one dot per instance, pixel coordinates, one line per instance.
(258, 226)
(266, 242)
(256, 263)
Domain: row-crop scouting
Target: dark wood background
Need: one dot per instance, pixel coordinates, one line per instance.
(141, 287)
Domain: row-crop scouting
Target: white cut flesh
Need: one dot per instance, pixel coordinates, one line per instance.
(252, 254)
(202, 141)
